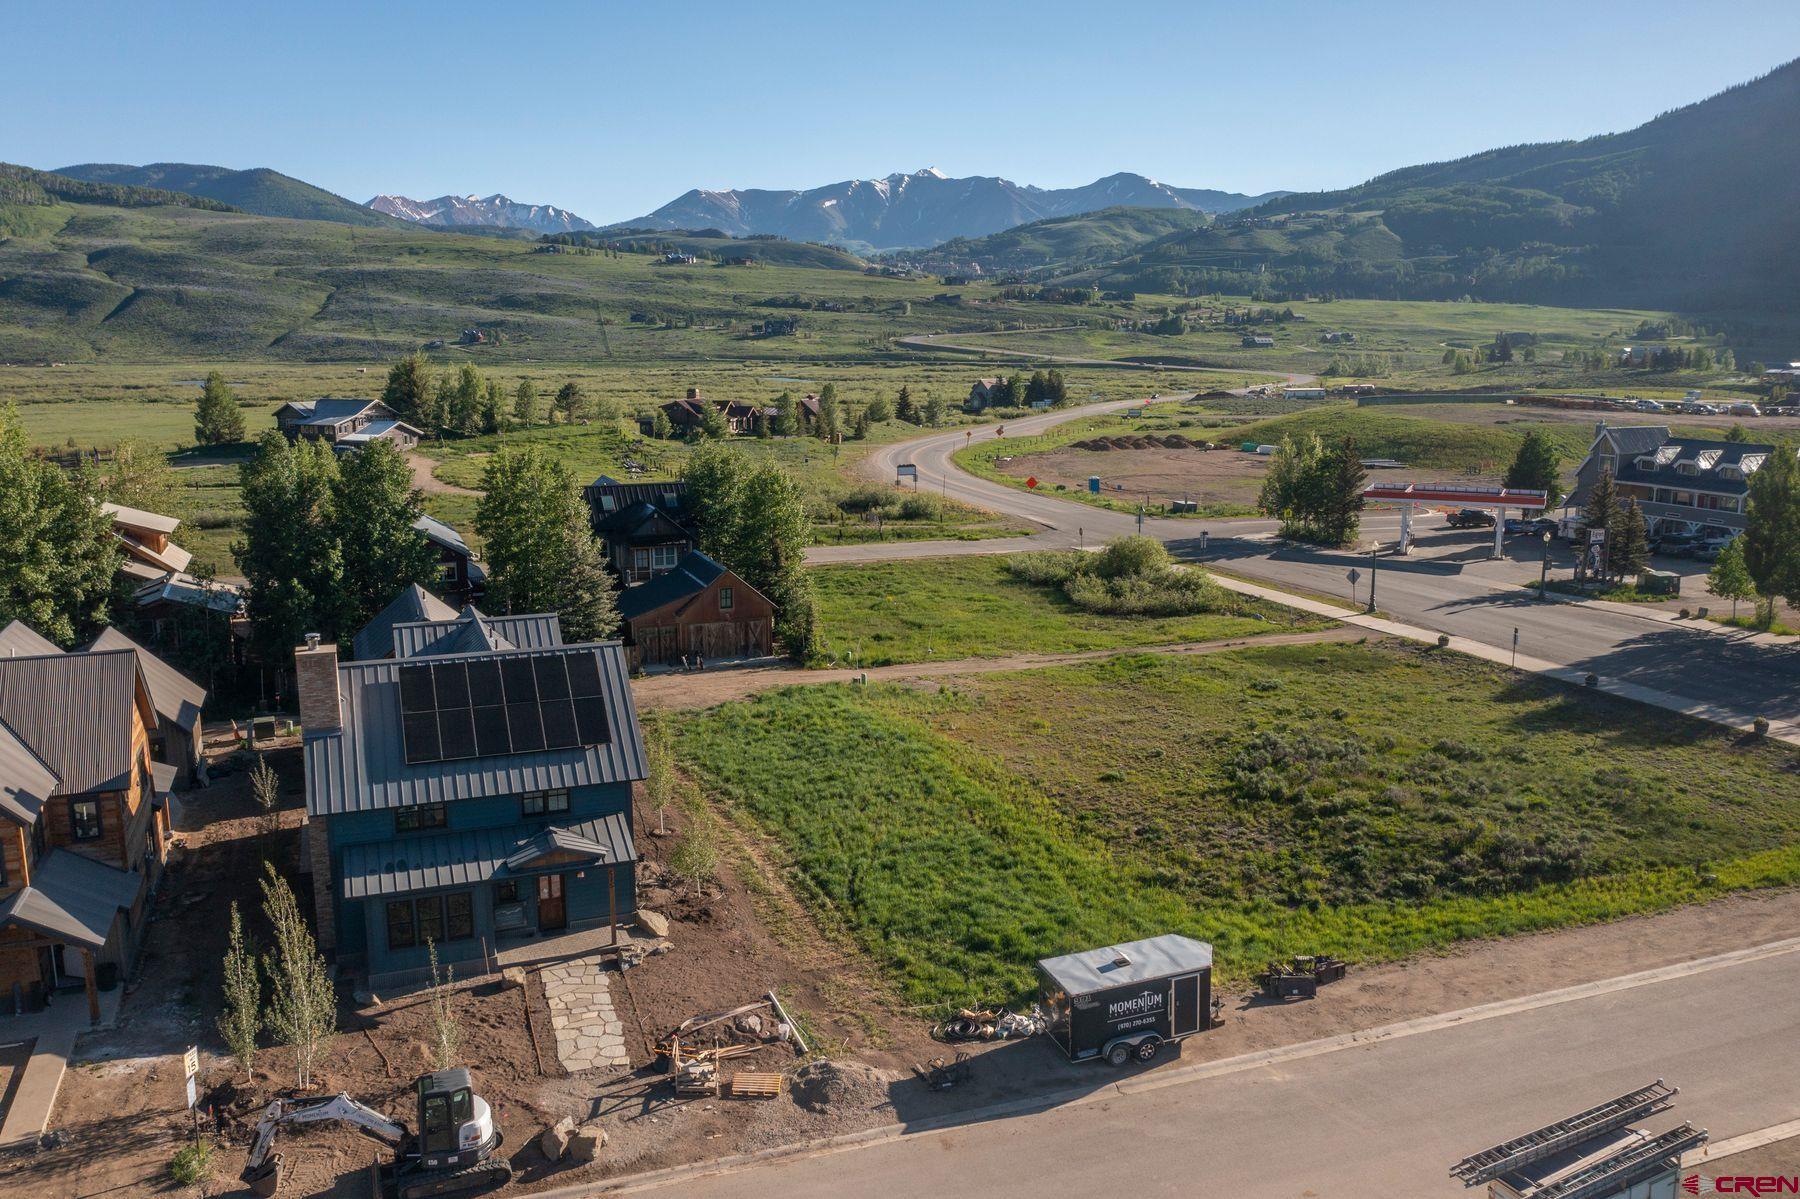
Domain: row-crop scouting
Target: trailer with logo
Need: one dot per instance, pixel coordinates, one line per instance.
(1125, 1002)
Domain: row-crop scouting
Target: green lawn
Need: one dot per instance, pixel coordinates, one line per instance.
(941, 609)
(1364, 800)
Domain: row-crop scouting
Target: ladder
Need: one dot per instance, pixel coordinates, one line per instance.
(1554, 1138)
(1611, 1176)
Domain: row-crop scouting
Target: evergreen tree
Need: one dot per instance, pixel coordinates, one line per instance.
(1729, 578)
(1772, 535)
(878, 410)
(934, 411)
(374, 508)
(409, 391)
(542, 555)
(572, 402)
(1537, 468)
(526, 407)
(904, 407)
(465, 401)
(1737, 434)
(289, 555)
(1629, 553)
(57, 553)
(217, 418)
(1340, 489)
(1602, 509)
(787, 415)
(712, 423)
(491, 405)
(860, 430)
(763, 431)
(660, 427)
(829, 423)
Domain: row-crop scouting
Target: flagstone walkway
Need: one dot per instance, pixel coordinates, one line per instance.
(589, 1035)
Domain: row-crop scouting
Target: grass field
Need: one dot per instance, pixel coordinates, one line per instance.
(1363, 800)
(942, 609)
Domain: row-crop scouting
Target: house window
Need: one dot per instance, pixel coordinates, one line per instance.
(84, 819)
(419, 818)
(664, 557)
(400, 924)
(507, 891)
(608, 503)
(724, 598)
(544, 803)
(447, 571)
(431, 918)
(459, 915)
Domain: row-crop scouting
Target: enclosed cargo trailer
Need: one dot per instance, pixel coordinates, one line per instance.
(1127, 1001)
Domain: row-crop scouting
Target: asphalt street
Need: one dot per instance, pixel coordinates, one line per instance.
(1735, 676)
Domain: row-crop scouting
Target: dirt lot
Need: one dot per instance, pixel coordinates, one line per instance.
(1222, 478)
(121, 1107)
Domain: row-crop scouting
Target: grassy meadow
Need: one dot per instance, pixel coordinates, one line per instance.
(942, 609)
(1364, 800)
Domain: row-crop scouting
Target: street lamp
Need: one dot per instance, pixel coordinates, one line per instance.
(1374, 562)
(1544, 569)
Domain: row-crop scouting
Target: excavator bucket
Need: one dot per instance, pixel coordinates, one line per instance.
(266, 1181)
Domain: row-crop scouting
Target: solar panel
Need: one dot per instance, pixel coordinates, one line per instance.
(498, 706)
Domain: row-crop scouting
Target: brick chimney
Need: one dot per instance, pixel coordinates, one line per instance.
(693, 393)
(315, 676)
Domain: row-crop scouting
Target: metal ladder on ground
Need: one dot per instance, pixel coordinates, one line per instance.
(1551, 1139)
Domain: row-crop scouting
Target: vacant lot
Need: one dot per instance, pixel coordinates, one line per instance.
(1364, 800)
(947, 608)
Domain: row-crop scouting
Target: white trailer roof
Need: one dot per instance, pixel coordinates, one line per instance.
(1120, 965)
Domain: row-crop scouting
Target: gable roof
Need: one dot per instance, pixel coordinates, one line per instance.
(473, 634)
(376, 639)
(642, 521)
(668, 494)
(1633, 439)
(329, 411)
(694, 573)
(441, 534)
(460, 859)
(25, 782)
(362, 767)
(72, 898)
(174, 696)
(74, 711)
(138, 518)
(425, 638)
(20, 640)
(181, 588)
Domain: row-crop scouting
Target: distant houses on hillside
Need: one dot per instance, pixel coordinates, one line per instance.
(345, 425)
(688, 414)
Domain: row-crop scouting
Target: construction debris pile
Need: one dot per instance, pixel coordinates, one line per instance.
(694, 1050)
(970, 1025)
(1300, 978)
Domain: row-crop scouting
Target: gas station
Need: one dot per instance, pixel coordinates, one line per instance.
(1409, 496)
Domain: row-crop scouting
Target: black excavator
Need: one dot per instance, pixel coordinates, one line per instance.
(454, 1150)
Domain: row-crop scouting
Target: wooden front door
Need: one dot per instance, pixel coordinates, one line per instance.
(553, 913)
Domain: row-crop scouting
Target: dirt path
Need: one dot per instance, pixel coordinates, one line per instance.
(684, 691)
(429, 483)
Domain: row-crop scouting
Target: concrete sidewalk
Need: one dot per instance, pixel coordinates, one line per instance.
(54, 1029)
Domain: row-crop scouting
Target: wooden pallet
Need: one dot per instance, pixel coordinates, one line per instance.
(749, 1085)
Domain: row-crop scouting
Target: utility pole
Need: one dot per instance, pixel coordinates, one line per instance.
(1374, 564)
(1544, 570)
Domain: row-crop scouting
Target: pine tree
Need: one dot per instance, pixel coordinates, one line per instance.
(491, 407)
(302, 1010)
(242, 1018)
(217, 418)
(373, 513)
(904, 407)
(1341, 494)
(1602, 509)
(1629, 553)
(878, 410)
(1536, 467)
(1729, 578)
(526, 409)
(934, 411)
(787, 415)
(572, 402)
(860, 430)
(828, 424)
(763, 430)
(408, 391)
(1772, 532)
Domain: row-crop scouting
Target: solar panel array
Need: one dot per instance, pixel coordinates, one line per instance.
(489, 707)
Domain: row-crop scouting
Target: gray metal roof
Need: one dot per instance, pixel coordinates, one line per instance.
(690, 576)
(415, 639)
(465, 859)
(1158, 957)
(439, 533)
(174, 696)
(362, 767)
(473, 634)
(376, 639)
(74, 711)
(72, 898)
(1637, 439)
(20, 640)
(25, 781)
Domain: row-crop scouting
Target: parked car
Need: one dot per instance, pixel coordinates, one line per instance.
(1648, 406)
(1745, 409)
(1677, 545)
(1535, 526)
(1471, 518)
(1710, 549)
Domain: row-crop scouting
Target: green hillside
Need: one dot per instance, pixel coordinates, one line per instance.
(26, 186)
(1691, 211)
(260, 190)
(715, 246)
(1072, 241)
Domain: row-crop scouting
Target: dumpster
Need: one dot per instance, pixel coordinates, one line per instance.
(1659, 582)
(1124, 1002)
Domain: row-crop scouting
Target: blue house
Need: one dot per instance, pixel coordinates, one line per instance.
(472, 792)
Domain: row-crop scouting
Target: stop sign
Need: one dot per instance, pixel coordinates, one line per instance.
(1031, 482)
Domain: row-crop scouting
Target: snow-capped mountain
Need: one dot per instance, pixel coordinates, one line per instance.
(495, 212)
(924, 208)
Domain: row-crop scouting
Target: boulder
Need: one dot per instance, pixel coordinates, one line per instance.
(554, 1141)
(512, 976)
(586, 1143)
(654, 923)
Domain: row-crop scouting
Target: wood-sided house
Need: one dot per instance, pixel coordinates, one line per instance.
(84, 821)
(646, 527)
(345, 425)
(461, 579)
(700, 609)
(475, 800)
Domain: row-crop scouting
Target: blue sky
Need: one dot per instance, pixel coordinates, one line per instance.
(611, 109)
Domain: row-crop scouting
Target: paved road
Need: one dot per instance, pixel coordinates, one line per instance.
(1384, 1118)
(941, 341)
(1737, 677)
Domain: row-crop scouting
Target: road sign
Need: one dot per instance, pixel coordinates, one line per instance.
(907, 470)
(1032, 482)
(1354, 575)
(193, 1097)
(190, 1061)
(1000, 431)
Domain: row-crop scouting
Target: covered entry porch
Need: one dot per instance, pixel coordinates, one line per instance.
(71, 922)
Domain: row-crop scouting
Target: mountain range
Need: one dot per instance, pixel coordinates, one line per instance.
(259, 190)
(492, 212)
(919, 210)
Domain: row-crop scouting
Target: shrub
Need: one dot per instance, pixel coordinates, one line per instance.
(865, 499)
(1046, 568)
(192, 1164)
(1134, 555)
(921, 507)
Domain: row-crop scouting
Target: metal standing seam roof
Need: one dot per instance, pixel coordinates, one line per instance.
(26, 783)
(20, 640)
(137, 518)
(694, 573)
(74, 711)
(72, 898)
(414, 603)
(362, 767)
(174, 696)
(439, 533)
(186, 589)
(477, 856)
(415, 639)
(1157, 957)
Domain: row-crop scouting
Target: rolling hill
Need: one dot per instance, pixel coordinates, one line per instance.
(260, 190)
(922, 209)
(1690, 211)
(1067, 242)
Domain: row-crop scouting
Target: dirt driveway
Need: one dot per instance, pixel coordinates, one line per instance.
(1217, 478)
(429, 483)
